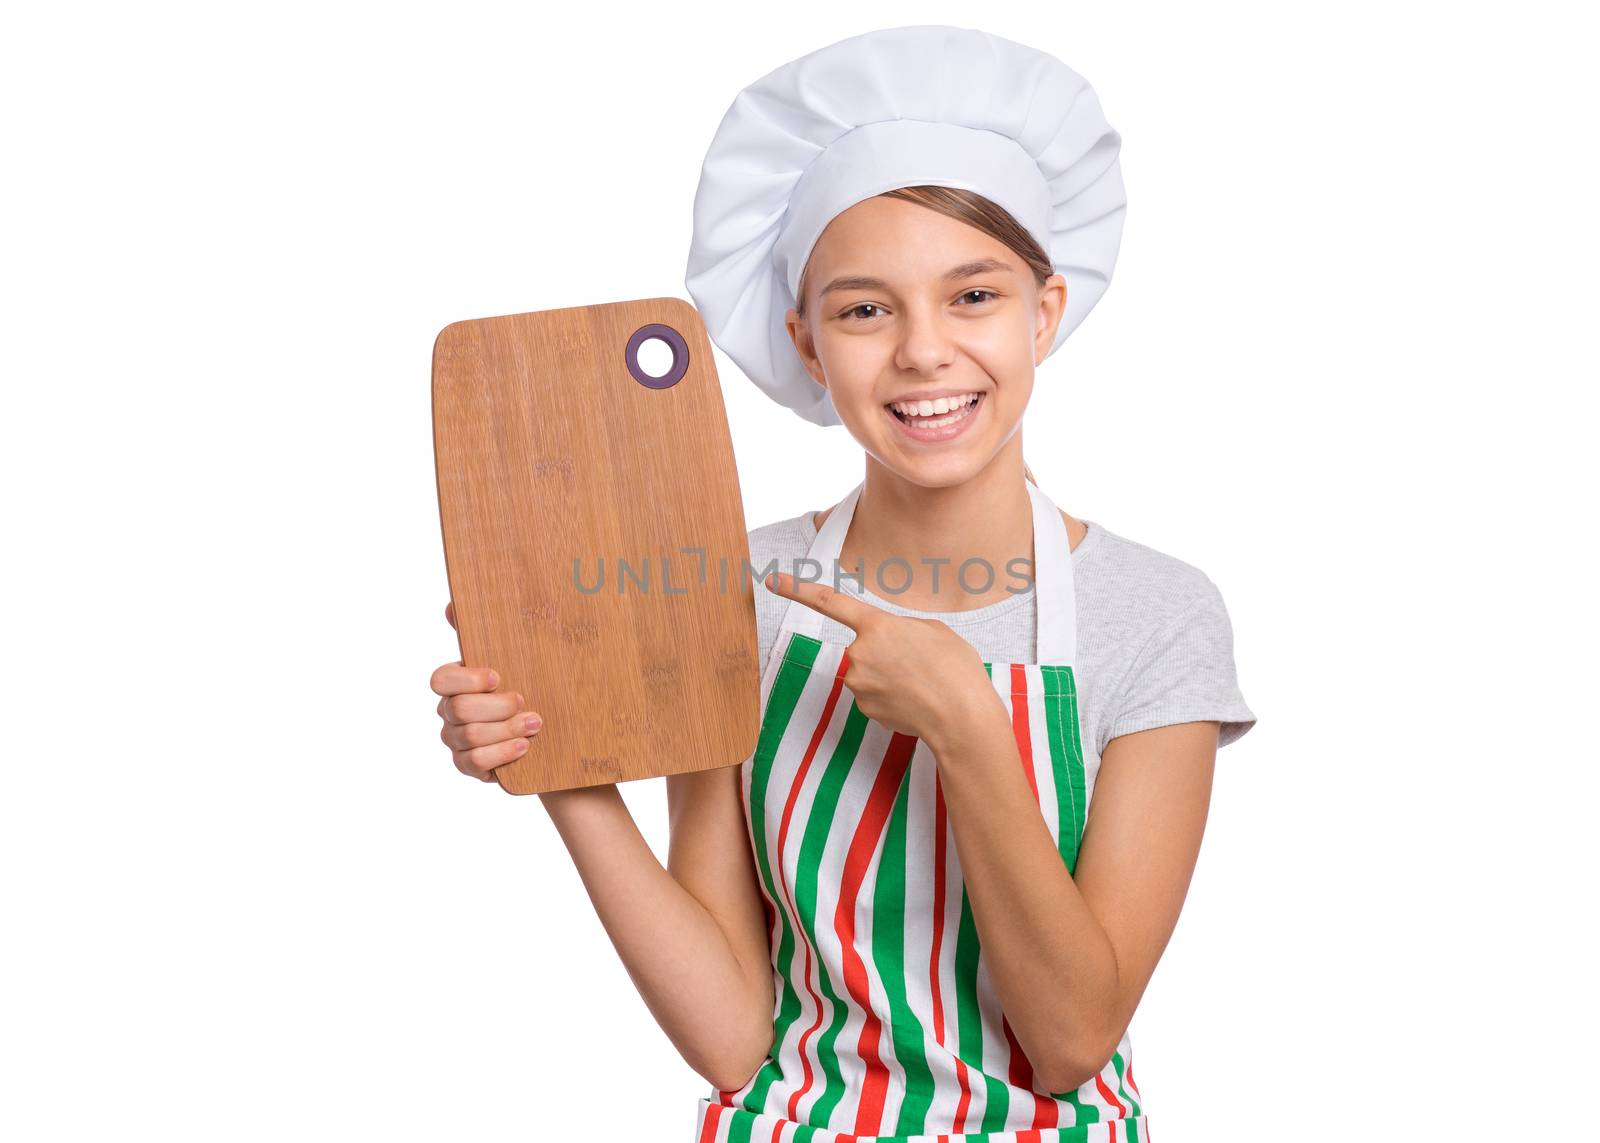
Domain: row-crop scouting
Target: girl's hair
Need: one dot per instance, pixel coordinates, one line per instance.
(977, 211)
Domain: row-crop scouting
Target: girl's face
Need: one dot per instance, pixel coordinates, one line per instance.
(905, 304)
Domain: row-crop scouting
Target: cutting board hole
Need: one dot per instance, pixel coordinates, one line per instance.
(657, 356)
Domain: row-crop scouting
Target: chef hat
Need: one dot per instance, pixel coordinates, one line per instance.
(952, 107)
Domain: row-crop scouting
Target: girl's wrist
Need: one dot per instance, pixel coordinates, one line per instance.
(577, 801)
(975, 716)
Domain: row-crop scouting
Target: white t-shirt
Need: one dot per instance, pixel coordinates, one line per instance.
(1155, 645)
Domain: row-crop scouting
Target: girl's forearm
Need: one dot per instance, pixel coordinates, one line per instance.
(1052, 963)
(717, 1012)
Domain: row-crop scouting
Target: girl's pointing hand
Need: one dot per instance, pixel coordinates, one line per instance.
(914, 675)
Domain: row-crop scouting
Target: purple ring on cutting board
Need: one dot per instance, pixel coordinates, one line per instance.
(680, 355)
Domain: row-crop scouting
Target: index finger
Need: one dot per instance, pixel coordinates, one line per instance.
(823, 597)
(455, 679)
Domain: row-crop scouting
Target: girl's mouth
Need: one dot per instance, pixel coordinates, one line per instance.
(935, 421)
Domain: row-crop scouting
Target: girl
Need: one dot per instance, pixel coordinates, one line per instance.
(900, 918)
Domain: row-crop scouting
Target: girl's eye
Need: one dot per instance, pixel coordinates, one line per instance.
(982, 296)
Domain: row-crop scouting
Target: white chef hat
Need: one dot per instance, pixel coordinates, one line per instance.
(929, 104)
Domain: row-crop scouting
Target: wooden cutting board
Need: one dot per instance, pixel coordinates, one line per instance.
(595, 539)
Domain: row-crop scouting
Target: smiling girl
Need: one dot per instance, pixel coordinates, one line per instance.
(929, 903)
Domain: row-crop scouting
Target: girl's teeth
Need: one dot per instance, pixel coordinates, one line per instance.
(920, 411)
(934, 408)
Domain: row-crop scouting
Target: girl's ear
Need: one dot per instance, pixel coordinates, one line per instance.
(1052, 307)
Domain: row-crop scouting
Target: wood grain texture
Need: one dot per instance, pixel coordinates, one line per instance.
(555, 468)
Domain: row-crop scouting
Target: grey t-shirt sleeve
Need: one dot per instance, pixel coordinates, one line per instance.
(1186, 673)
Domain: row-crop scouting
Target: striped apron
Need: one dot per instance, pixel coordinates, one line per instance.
(886, 1024)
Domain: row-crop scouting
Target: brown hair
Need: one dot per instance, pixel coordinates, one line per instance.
(977, 211)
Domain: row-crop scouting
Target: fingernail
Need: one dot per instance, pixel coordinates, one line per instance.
(522, 744)
(532, 722)
(494, 679)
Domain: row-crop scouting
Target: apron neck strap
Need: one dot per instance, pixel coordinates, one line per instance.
(1056, 633)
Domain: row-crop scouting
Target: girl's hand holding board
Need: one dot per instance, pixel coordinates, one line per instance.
(483, 729)
(914, 675)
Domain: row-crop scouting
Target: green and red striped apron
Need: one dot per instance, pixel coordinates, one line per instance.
(886, 1024)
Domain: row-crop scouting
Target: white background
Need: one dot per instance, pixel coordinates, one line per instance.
(1346, 367)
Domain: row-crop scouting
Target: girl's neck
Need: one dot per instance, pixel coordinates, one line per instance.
(928, 531)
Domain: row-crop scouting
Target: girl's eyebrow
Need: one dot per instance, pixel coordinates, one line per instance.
(965, 270)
